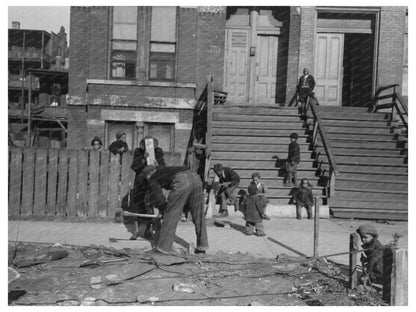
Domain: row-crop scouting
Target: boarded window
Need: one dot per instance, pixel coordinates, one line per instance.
(163, 132)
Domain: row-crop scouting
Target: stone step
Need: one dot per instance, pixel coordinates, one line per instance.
(358, 130)
(273, 174)
(371, 205)
(387, 137)
(256, 156)
(256, 140)
(257, 132)
(259, 148)
(350, 109)
(260, 164)
(272, 125)
(255, 117)
(362, 152)
(366, 161)
(382, 146)
(373, 185)
(400, 170)
(367, 195)
(382, 178)
(353, 123)
(370, 214)
(349, 116)
(276, 183)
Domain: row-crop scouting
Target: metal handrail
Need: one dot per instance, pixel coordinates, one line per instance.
(319, 128)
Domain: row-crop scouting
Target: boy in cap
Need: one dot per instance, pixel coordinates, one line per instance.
(253, 212)
(373, 259)
(119, 146)
(229, 181)
(293, 159)
(185, 190)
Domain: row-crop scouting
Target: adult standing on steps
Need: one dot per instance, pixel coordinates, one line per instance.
(229, 181)
(305, 87)
(185, 190)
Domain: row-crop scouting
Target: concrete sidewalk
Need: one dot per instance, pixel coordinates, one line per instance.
(290, 236)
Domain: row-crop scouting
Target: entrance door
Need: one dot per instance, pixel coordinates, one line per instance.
(328, 68)
(266, 68)
(236, 64)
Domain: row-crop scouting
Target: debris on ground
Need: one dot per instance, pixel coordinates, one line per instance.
(147, 278)
(13, 274)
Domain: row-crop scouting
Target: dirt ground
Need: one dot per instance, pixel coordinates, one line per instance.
(140, 277)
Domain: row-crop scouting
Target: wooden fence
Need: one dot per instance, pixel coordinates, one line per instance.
(70, 183)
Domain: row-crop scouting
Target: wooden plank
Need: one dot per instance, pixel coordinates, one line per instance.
(62, 182)
(316, 230)
(52, 182)
(94, 171)
(71, 208)
(28, 181)
(15, 191)
(39, 207)
(353, 278)
(82, 183)
(114, 187)
(126, 173)
(104, 176)
(212, 198)
(399, 278)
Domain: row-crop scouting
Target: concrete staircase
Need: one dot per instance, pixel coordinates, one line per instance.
(370, 155)
(254, 137)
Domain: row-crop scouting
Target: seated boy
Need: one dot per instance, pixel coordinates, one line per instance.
(373, 259)
(229, 181)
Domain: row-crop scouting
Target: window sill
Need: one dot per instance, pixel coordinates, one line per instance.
(141, 83)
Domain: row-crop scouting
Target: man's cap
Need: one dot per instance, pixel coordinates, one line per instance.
(119, 135)
(294, 135)
(367, 229)
(218, 167)
(252, 189)
(96, 138)
(148, 170)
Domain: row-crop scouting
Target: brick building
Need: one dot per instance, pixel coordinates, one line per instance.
(142, 69)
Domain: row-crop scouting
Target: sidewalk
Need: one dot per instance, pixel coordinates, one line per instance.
(289, 236)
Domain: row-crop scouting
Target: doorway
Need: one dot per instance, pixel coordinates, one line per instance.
(344, 59)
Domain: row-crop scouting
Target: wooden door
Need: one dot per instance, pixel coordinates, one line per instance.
(328, 68)
(266, 68)
(236, 64)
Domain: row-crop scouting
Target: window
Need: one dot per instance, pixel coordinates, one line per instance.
(163, 132)
(163, 43)
(124, 43)
(113, 127)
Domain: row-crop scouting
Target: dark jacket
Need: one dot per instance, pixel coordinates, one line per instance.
(252, 209)
(230, 176)
(113, 148)
(373, 260)
(140, 161)
(293, 153)
(303, 196)
(306, 82)
(163, 179)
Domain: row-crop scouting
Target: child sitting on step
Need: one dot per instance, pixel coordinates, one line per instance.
(303, 197)
(261, 192)
(373, 260)
(253, 212)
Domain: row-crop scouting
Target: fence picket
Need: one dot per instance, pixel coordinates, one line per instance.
(126, 173)
(15, 188)
(52, 182)
(82, 183)
(39, 204)
(114, 187)
(28, 181)
(71, 207)
(94, 170)
(62, 182)
(103, 192)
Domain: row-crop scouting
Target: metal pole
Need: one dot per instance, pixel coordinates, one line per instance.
(23, 76)
(29, 143)
(316, 230)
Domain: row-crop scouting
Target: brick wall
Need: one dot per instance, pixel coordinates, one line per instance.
(293, 54)
(77, 127)
(210, 49)
(307, 39)
(98, 47)
(187, 45)
(391, 45)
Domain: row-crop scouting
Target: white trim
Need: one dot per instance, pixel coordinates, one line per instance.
(144, 116)
(141, 83)
(95, 122)
(183, 126)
